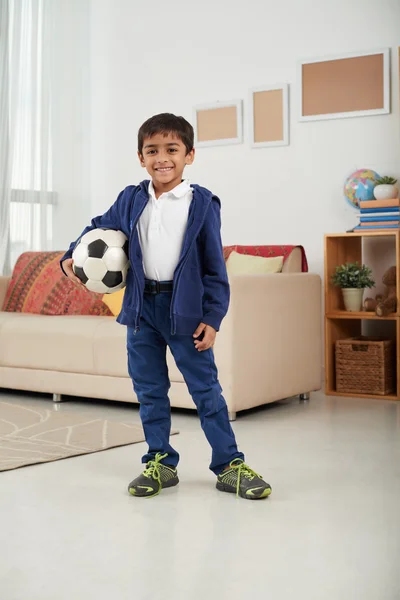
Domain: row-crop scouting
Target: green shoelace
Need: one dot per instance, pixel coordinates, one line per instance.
(152, 471)
(243, 470)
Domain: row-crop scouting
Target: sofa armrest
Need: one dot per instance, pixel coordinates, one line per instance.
(4, 281)
(293, 263)
(272, 337)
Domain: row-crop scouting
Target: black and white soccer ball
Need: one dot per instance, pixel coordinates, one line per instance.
(101, 260)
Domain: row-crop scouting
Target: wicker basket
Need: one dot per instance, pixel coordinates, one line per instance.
(365, 365)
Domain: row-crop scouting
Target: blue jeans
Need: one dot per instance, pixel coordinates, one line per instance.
(148, 370)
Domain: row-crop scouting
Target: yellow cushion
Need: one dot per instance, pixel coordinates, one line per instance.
(245, 264)
(114, 301)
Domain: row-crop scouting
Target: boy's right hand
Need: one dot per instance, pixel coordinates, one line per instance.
(67, 266)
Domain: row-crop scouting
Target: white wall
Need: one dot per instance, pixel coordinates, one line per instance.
(150, 57)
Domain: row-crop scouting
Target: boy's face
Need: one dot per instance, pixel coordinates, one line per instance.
(165, 157)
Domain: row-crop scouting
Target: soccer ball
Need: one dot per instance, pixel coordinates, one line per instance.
(101, 260)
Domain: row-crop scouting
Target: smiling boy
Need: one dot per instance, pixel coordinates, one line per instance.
(177, 294)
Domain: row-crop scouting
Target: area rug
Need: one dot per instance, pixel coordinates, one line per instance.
(30, 435)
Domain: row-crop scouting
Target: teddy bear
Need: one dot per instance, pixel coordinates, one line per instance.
(386, 303)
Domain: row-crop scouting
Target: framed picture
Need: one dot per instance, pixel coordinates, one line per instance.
(347, 85)
(269, 116)
(218, 124)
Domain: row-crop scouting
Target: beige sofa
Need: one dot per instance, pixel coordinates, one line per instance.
(269, 346)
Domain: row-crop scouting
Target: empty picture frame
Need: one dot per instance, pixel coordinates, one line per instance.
(347, 85)
(218, 124)
(269, 116)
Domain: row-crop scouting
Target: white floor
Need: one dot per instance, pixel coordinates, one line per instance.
(330, 530)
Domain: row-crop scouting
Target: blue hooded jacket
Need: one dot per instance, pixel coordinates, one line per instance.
(201, 288)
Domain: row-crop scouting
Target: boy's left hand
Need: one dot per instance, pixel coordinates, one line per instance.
(208, 338)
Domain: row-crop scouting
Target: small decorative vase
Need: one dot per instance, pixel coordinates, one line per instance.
(386, 191)
(353, 298)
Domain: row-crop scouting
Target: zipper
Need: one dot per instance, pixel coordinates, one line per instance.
(173, 320)
(139, 314)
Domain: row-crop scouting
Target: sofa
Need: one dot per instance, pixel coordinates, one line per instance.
(268, 348)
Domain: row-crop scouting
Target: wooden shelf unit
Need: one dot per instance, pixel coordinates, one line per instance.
(339, 323)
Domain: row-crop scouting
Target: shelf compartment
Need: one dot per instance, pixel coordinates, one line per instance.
(342, 324)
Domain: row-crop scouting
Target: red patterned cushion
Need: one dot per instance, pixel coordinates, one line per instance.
(267, 251)
(39, 286)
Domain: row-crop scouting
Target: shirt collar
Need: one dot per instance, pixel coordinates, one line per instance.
(179, 191)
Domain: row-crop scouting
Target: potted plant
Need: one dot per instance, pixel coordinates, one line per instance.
(353, 279)
(385, 188)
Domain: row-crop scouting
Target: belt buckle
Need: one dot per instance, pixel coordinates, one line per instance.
(155, 287)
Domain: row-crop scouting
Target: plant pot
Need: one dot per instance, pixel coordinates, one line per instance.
(353, 298)
(386, 191)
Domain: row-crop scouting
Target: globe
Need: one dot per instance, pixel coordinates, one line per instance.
(360, 186)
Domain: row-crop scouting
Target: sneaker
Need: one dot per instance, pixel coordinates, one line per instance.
(155, 477)
(243, 481)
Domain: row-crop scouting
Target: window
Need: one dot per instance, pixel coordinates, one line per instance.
(32, 198)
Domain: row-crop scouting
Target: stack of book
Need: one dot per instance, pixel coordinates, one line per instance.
(379, 214)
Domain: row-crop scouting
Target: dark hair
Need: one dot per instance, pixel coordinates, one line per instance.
(167, 123)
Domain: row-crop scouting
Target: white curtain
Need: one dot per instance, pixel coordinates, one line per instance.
(4, 139)
(26, 194)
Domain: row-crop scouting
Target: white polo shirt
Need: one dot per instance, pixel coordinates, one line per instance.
(161, 229)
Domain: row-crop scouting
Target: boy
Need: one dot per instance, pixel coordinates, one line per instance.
(177, 294)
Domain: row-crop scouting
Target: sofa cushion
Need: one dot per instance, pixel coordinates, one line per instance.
(56, 344)
(39, 286)
(110, 354)
(73, 344)
(242, 264)
(266, 251)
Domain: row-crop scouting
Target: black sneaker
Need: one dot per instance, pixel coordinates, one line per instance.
(155, 477)
(239, 479)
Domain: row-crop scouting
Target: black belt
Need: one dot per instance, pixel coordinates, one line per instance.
(155, 287)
